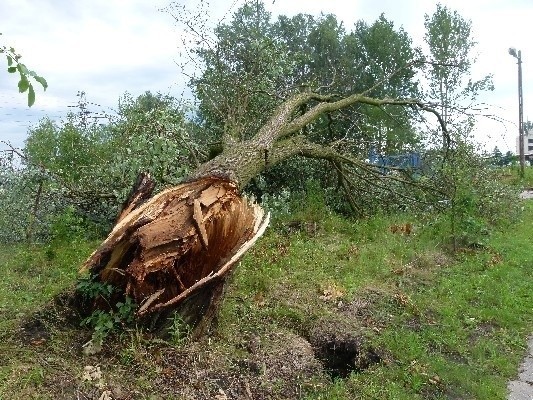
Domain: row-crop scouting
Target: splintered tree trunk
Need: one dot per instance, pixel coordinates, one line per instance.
(175, 252)
(141, 191)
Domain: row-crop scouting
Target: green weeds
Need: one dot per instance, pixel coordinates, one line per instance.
(103, 322)
(179, 331)
(445, 325)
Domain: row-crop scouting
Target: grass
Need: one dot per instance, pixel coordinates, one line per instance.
(445, 326)
(511, 175)
(452, 328)
(33, 274)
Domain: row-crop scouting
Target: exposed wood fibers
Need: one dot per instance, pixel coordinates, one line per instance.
(171, 246)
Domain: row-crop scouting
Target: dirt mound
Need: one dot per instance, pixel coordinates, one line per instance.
(281, 366)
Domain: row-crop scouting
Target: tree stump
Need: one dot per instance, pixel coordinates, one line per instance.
(175, 252)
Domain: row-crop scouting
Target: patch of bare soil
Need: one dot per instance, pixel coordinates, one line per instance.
(34, 332)
(59, 314)
(276, 366)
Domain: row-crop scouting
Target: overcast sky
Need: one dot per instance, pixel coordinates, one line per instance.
(108, 47)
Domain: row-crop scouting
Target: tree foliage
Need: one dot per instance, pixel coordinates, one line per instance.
(91, 165)
(497, 158)
(253, 63)
(449, 39)
(242, 72)
(261, 62)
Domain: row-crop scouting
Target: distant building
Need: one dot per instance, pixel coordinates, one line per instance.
(528, 145)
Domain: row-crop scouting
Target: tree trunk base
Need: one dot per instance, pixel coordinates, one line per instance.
(175, 252)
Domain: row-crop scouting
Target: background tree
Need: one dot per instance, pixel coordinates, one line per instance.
(242, 69)
(528, 126)
(450, 44)
(90, 164)
(387, 63)
(496, 157)
(307, 52)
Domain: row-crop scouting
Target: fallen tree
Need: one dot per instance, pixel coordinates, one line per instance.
(175, 252)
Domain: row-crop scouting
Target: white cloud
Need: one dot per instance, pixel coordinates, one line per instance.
(104, 48)
(107, 47)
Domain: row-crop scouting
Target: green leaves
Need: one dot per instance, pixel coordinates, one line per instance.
(24, 84)
(31, 96)
(23, 69)
(41, 80)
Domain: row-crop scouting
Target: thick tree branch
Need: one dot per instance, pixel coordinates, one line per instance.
(276, 140)
(279, 120)
(328, 104)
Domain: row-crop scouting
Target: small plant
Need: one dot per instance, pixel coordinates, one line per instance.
(125, 311)
(104, 322)
(91, 288)
(179, 330)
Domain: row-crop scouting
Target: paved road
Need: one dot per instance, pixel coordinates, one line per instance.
(522, 387)
(527, 194)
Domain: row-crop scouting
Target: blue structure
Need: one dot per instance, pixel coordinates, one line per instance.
(408, 161)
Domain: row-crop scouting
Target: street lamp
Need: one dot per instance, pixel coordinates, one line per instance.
(518, 56)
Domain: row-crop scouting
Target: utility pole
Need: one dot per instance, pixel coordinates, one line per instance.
(518, 56)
